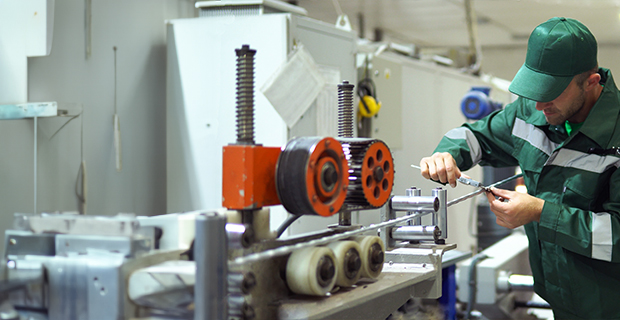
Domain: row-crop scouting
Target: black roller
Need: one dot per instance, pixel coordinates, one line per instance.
(312, 176)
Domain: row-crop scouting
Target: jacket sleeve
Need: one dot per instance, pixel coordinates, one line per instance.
(486, 142)
(592, 234)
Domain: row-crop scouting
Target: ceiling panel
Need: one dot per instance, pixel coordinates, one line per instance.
(436, 23)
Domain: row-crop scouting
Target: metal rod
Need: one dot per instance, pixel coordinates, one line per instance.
(245, 95)
(405, 203)
(35, 163)
(477, 192)
(345, 110)
(414, 192)
(211, 255)
(532, 304)
(289, 249)
(441, 216)
(344, 218)
(518, 282)
(416, 233)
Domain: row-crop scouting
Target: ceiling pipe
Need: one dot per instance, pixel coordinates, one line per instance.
(361, 25)
(475, 51)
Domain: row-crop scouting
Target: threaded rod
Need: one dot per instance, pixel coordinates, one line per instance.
(345, 110)
(245, 95)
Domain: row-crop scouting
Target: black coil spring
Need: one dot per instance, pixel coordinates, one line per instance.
(245, 95)
(345, 110)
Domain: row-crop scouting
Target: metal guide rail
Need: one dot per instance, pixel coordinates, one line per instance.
(317, 242)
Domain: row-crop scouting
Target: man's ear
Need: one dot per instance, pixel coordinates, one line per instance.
(592, 81)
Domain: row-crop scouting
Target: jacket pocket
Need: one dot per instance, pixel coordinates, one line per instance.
(581, 191)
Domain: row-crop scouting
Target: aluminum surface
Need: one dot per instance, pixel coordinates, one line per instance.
(416, 233)
(414, 192)
(211, 256)
(440, 219)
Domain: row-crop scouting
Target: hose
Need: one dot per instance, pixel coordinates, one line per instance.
(472, 282)
(286, 224)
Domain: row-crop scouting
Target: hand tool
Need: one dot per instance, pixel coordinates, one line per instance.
(463, 180)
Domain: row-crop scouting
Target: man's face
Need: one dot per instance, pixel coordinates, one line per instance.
(568, 106)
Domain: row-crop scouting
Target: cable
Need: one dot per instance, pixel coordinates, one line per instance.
(472, 282)
(286, 224)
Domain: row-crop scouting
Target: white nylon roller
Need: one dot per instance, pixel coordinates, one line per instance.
(311, 271)
(348, 262)
(372, 254)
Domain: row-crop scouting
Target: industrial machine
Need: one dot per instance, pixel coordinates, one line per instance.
(226, 263)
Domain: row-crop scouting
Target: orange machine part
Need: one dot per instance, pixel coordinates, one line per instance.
(377, 174)
(327, 203)
(248, 176)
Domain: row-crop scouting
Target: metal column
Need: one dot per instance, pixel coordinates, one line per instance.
(211, 255)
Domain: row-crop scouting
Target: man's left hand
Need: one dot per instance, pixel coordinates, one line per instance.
(514, 209)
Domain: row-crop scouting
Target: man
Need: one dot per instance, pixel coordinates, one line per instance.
(562, 131)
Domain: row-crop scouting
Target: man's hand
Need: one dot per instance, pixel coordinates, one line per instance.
(514, 209)
(441, 167)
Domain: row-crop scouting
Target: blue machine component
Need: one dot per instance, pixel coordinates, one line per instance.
(448, 289)
(476, 103)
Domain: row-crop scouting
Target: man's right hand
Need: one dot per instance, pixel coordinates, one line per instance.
(441, 167)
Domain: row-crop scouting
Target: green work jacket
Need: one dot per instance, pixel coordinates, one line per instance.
(575, 248)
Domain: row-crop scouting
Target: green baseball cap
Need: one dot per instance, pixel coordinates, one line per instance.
(558, 50)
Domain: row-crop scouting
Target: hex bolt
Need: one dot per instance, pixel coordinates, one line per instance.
(353, 263)
(325, 271)
(376, 257)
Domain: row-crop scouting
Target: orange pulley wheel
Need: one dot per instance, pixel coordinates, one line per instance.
(372, 172)
(377, 174)
(312, 176)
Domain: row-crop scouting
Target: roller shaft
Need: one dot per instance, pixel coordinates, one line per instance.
(422, 203)
(416, 233)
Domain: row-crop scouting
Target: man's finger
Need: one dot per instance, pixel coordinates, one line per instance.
(501, 192)
(424, 168)
(490, 196)
(501, 223)
(451, 173)
(440, 169)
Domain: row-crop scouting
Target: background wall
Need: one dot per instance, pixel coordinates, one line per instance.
(137, 28)
(504, 62)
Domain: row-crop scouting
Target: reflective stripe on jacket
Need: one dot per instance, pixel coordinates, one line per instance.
(575, 249)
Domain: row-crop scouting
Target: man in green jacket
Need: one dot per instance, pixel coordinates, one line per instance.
(564, 133)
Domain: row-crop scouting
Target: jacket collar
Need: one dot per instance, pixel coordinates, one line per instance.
(601, 122)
